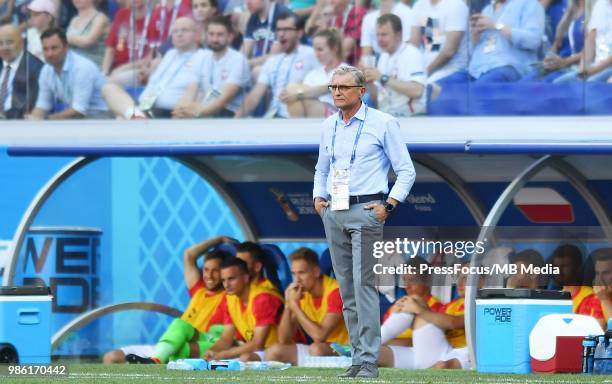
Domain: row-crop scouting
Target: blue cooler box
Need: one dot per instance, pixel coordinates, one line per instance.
(25, 323)
(504, 319)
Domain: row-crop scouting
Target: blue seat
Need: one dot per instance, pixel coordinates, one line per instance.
(229, 247)
(325, 263)
(276, 267)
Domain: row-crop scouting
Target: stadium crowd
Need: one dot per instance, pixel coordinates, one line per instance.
(237, 312)
(232, 58)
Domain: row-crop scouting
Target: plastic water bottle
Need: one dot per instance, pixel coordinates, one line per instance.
(266, 365)
(607, 364)
(588, 349)
(600, 352)
(226, 365)
(328, 362)
(188, 365)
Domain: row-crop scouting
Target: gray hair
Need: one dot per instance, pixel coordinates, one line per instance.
(357, 73)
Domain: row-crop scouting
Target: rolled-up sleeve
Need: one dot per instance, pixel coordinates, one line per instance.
(321, 169)
(44, 100)
(398, 155)
(82, 90)
(528, 35)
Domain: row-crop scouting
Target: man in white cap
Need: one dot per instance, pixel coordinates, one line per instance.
(42, 15)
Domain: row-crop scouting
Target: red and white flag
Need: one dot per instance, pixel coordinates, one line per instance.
(544, 206)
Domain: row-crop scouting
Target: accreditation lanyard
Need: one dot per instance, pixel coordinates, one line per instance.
(162, 19)
(143, 35)
(357, 136)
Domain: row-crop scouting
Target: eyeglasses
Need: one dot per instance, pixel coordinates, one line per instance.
(342, 88)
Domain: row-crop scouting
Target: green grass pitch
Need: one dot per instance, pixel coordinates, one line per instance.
(148, 374)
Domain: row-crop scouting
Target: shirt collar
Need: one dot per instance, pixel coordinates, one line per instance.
(67, 62)
(13, 64)
(360, 115)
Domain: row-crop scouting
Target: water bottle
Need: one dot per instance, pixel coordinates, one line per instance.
(599, 355)
(226, 365)
(607, 365)
(188, 365)
(588, 350)
(266, 365)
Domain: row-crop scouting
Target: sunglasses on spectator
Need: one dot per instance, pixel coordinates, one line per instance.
(342, 88)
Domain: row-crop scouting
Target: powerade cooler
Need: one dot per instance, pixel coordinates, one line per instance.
(504, 319)
(25, 325)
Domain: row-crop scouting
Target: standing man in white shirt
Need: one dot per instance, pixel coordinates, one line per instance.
(439, 28)
(280, 70)
(398, 83)
(223, 79)
(351, 194)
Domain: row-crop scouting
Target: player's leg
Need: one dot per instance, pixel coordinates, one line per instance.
(395, 324)
(287, 353)
(116, 356)
(430, 343)
(173, 340)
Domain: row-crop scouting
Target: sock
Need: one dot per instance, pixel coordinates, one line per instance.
(395, 324)
(163, 350)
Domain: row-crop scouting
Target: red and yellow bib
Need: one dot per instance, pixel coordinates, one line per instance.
(339, 334)
(455, 337)
(245, 321)
(201, 308)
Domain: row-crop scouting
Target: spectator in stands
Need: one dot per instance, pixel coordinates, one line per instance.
(369, 45)
(180, 67)
(253, 255)
(250, 311)
(311, 98)
(596, 63)
(521, 279)
(203, 11)
(68, 79)
(223, 79)
(280, 70)
(87, 31)
(396, 332)
(568, 259)
(127, 45)
(349, 21)
(440, 28)
(397, 84)
(6, 11)
(42, 17)
(506, 37)
(571, 30)
(163, 18)
(19, 72)
(322, 18)
(259, 38)
(200, 325)
(602, 285)
(438, 336)
(313, 307)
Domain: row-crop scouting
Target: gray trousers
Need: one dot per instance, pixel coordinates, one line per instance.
(349, 233)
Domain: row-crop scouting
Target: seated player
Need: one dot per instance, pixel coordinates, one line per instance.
(438, 337)
(250, 311)
(253, 256)
(568, 259)
(602, 285)
(522, 279)
(396, 332)
(200, 325)
(313, 307)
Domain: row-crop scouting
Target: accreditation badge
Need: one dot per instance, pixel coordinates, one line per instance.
(147, 100)
(490, 45)
(340, 189)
